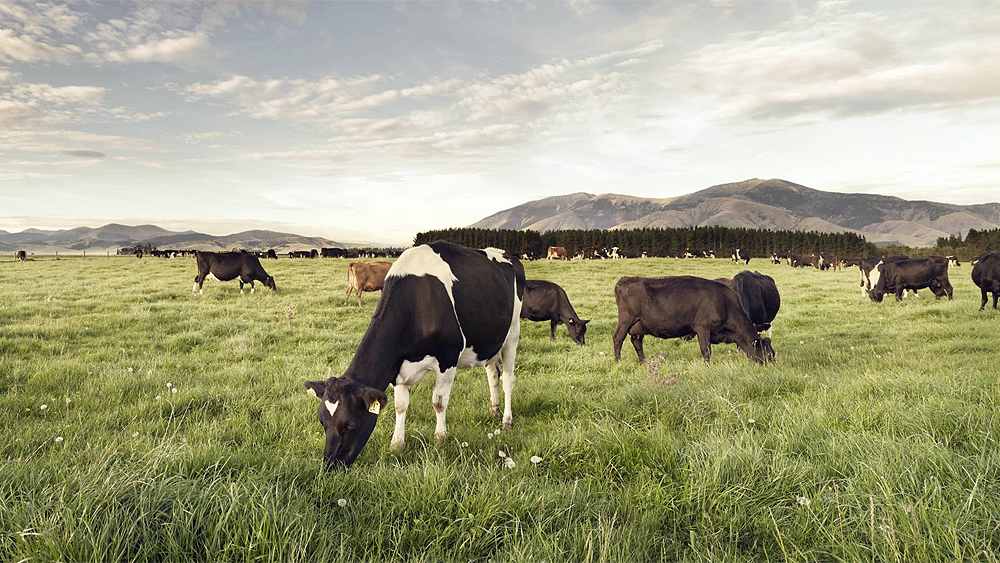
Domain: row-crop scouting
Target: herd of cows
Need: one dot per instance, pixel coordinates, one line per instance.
(445, 307)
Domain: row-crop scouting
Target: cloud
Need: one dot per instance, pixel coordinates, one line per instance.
(82, 153)
(61, 95)
(24, 48)
(166, 50)
(838, 62)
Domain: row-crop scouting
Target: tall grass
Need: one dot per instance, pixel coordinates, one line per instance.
(873, 438)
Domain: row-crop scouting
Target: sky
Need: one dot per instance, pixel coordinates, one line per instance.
(371, 121)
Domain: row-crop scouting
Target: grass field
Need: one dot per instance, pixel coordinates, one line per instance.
(141, 422)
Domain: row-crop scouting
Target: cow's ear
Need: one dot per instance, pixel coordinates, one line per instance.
(373, 399)
(584, 321)
(318, 387)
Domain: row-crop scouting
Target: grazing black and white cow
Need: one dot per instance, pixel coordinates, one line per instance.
(738, 256)
(21, 255)
(546, 301)
(953, 261)
(226, 266)
(986, 275)
(760, 298)
(443, 307)
(775, 259)
(916, 273)
(676, 306)
(870, 271)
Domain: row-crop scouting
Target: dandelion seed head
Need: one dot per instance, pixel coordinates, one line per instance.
(535, 459)
(130, 370)
(465, 444)
(59, 438)
(43, 407)
(489, 435)
(510, 463)
(497, 431)
(804, 501)
(502, 453)
(886, 529)
(342, 502)
(135, 434)
(174, 390)
(170, 384)
(751, 421)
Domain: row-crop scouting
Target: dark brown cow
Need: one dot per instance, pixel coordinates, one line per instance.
(673, 307)
(225, 266)
(557, 253)
(986, 275)
(365, 276)
(21, 255)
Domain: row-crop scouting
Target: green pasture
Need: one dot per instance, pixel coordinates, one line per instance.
(140, 422)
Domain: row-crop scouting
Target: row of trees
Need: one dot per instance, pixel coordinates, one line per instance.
(659, 242)
(975, 243)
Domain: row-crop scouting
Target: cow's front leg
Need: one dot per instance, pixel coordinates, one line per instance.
(705, 342)
(493, 378)
(241, 286)
(401, 394)
(509, 352)
(442, 391)
(252, 288)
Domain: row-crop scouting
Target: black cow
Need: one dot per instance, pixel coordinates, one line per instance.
(953, 261)
(759, 296)
(738, 255)
(986, 275)
(546, 301)
(443, 307)
(21, 255)
(916, 273)
(673, 307)
(272, 254)
(226, 266)
(332, 252)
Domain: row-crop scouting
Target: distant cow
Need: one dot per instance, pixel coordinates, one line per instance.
(138, 254)
(444, 308)
(365, 276)
(272, 254)
(546, 301)
(673, 307)
(332, 252)
(917, 273)
(759, 296)
(226, 266)
(775, 259)
(557, 253)
(953, 261)
(986, 275)
(21, 255)
(740, 255)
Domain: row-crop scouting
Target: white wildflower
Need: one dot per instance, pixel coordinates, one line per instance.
(174, 390)
(502, 453)
(465, 444)
(342, 502)
(886, 529)
(535, 459)
(158, 397)
(497, 431)
(804, 501)
(600, 353)
(43, 407)
(135, 434)
(802, 341)
(489, 435)
(751, 421)
(170, 384)
(130, 370)
(510, 463)
(59, 438)
(68, 400)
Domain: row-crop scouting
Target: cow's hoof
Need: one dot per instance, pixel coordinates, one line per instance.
(440, 436)
(494, 409)
(397, 445)
(508, 423)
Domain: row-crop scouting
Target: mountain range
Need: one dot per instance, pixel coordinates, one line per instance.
(759, 204)
(113, 236)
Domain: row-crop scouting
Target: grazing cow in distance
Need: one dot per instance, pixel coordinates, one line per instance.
(332, 252)
(870, 271)
(138, 254)
(673, 307)
(775, 259)
(760, 298)
(557, 253)
(444, 307)
(986, 275)
(365, 276)
(226, 266)
(527, 256)
(916, 273)
(21, 255)
(740, 256)
(546, 301)
(953, 261)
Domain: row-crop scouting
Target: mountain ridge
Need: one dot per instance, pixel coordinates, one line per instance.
(774, 204)
(113, 236)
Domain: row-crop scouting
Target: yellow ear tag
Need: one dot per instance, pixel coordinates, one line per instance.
(375, 407)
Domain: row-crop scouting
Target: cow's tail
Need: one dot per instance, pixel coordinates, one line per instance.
(352, 277)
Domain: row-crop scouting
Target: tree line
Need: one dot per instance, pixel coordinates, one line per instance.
(975, 243)
(667, 241)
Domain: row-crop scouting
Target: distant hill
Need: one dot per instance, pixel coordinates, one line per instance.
(761, 204)
(113, 236)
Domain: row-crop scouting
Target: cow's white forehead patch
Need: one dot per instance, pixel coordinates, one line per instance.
(423, 261)
(332, 407)
(496, 255)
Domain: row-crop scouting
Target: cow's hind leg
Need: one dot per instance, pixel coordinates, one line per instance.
(637, 344)
(442, 391)
(618, 338)
(995, 295)
(552, 329)
(986, 298)
(348, 296)
(241, 286)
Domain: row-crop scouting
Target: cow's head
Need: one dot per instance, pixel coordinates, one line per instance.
(577, 329)
(348, 411)
(762, 352)
(269, 282)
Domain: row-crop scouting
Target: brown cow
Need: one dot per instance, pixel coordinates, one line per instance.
(557, 253)
(365, 276)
